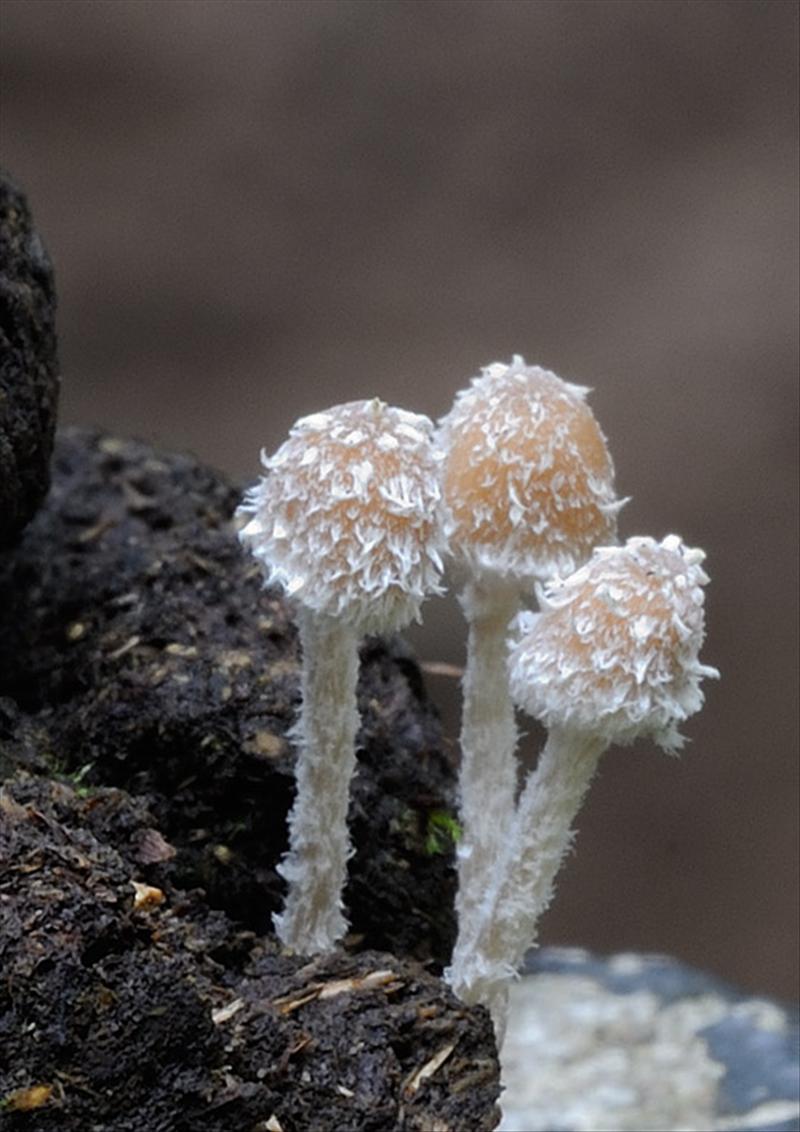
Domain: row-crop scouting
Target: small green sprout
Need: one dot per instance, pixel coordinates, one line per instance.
(442, 831)
(82, 788)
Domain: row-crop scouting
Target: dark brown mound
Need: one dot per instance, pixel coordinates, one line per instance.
(138, 648)
(126, 1006)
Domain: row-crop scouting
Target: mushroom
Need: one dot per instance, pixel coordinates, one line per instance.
(612, 657)
(528, 490)
(346, 520)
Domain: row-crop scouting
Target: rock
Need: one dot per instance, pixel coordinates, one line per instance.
(29, 375)
(642, 1041)
(127, 1006)
(139, 643)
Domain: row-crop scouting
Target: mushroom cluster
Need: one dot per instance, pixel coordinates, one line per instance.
(516, 488)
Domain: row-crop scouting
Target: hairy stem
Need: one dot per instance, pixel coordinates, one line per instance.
(489, 951)
(315, 866)
(487, 778)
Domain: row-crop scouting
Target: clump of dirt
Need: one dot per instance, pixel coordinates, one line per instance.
(140, 649)
(126, 1005)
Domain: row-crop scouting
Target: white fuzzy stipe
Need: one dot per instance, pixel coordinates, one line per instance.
(315, 866)
(494, 937)
(487, 777)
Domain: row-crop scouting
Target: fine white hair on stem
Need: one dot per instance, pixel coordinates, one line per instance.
(493, 938)
(528, 490)
(347, 521)
(315, 868)
(487, 776)
(613, 656)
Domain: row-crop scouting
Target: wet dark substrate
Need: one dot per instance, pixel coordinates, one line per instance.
(127, 1005)
(147, 685)
(138, 641)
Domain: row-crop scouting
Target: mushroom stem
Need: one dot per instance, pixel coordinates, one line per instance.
(489, 951)
(315, 866)
(487, 778)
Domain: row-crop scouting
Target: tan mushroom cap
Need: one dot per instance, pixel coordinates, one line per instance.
(615, 650)
(528, 480)
(347, 518)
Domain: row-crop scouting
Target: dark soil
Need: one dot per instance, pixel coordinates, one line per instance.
(138, 642)
(127, 1005)
(147, 684)
(28, 364)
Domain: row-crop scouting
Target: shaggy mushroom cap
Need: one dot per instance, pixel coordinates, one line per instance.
(347, 517)
(615, 650)
(528, 480)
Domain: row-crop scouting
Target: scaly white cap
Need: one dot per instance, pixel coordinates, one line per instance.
(615, 650)
(347, 517)
(528, 480)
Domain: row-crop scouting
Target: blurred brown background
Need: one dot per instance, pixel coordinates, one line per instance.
(256, 209)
